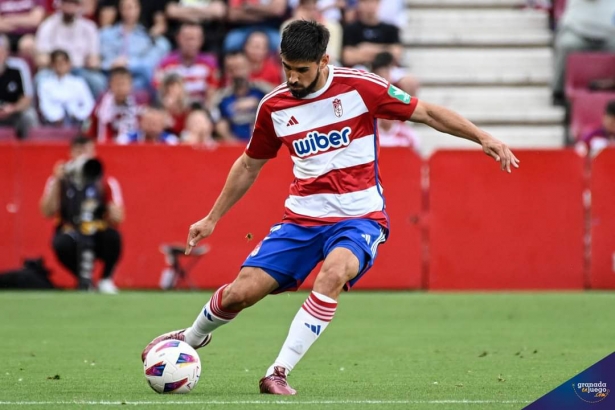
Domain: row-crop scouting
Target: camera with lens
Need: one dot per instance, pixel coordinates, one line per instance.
(83, 171)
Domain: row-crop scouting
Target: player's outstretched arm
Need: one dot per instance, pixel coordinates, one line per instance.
(242, 175)
(445, 120)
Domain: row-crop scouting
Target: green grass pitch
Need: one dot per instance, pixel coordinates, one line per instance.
(382, 350)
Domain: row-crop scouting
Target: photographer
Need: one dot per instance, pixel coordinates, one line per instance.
(88, 207)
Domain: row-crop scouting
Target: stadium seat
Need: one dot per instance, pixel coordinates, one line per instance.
(559, 6)
(52, 134)
(587, 110)
(582, 68)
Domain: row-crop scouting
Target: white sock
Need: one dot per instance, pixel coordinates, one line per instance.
(212, 317)
(309, 323)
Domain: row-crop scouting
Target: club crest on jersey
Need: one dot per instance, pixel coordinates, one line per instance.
(337, 107)
(316, 142)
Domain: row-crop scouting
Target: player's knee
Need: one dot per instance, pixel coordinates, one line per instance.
(235, 298)
(331, 279)
(63, 243)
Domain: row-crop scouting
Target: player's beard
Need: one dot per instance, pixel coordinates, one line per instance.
(303, 92)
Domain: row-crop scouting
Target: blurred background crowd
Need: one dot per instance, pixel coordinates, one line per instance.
(173, 71)
(193, 71)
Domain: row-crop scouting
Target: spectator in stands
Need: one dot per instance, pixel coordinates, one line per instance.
(15, 105)
(153, 15)
(117, 111)
(263, 65)
(19, 19)
(191, 123)
(396, 134)
(199, 71)
(87, 223)
(389, 11)
(128, 44)
(334, 10)
(587, 25)
(384, 66)
(239, 101)
(210, 14)
(102, 12)
(151, 130)
(598, 139)
(367, 37)
(64, 99)
(246, 16)
(68, 30)
(392, 133)
(393, 12)
(309, 10)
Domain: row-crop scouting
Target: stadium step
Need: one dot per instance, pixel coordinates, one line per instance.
(470, 4)
(467, 28)
(497, 105)
(491, 61)
(520, 137)
(476, 66)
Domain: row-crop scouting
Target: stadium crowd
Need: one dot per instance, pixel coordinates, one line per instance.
(174, 71)
(193, 71)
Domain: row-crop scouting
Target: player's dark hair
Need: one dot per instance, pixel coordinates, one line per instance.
(304, 41)
(55, 54)
(118, 72)
(610, 108)
(80, 140)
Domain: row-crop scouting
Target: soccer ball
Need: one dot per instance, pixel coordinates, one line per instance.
(172, 366)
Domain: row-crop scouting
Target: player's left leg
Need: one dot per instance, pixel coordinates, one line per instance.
(350, 251)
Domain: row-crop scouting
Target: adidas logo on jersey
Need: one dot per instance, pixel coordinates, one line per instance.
(315, 142)
(292, 121)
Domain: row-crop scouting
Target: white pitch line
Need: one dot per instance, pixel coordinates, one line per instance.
(255, 402)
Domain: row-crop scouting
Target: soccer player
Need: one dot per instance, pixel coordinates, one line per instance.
(325, 116)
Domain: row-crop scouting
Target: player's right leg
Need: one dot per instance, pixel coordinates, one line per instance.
(251, 285)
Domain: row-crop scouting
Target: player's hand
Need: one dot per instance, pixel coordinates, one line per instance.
(500, 152)
(58, 170)
(199, 230)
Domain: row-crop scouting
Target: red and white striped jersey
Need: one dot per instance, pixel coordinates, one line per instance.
(332, 138)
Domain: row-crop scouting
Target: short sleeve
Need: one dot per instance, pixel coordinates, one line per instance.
(264, 143)
(113, 192)
(384, 100)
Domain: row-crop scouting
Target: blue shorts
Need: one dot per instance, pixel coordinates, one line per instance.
(290, 252)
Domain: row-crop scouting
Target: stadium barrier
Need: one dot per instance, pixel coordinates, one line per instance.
(602, 221)
(484, 230)
(490, 230)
